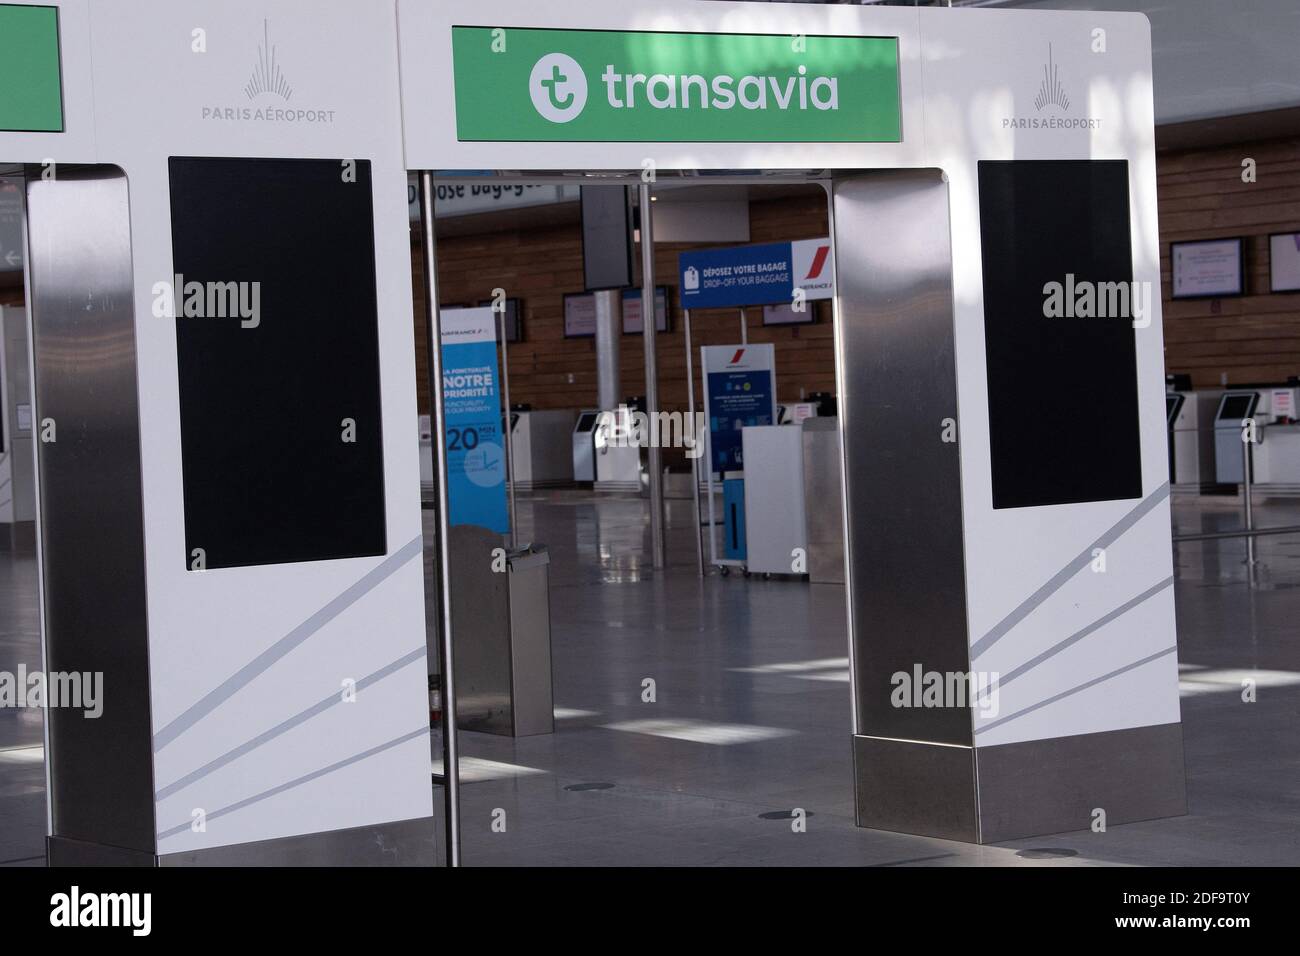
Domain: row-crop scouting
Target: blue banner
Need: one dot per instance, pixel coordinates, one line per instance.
(476, 470)
(736, 276)
(739, 391)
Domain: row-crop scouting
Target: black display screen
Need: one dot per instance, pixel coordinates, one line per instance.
(1062, 374)
(281, 432)
(1173, 405)
(1236, 407)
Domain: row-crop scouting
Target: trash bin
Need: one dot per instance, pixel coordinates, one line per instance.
(532, 704)
(501, 625)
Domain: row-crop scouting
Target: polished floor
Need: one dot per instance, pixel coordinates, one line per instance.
(750, 717)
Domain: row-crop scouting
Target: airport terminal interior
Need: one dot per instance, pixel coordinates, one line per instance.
(703, 580)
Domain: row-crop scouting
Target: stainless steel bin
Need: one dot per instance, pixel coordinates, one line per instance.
(501, 621)
(823, 500)
(532, 701)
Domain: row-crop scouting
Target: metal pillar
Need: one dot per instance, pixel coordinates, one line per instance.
(433, 336)
(648, 320)
(1247, 504)
(508, 441)
(609, 330)
(696, 438)
(744, 327)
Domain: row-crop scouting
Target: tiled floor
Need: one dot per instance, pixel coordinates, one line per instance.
(752, 714)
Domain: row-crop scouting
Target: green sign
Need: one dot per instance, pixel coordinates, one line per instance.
(31, 93)
(609, 86)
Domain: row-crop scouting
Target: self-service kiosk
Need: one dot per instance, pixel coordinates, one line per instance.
(618, 451)
(1277, 450)
(1190, 417)
(584, 446)
(541, 448)
(1235, 409)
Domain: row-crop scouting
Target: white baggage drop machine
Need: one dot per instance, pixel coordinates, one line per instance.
(229, 518)
(971, 157)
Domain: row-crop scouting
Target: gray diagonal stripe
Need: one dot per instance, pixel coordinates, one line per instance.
(1080, 635)
(298, 782)
(5, 483)
(318, 708)
(5, 502)
(1074, 690)
(1084, 558)
(215, 698)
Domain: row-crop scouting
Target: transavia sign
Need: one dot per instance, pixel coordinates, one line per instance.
(527, 85)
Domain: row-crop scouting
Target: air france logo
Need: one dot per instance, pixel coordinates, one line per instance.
(818, 263)
(558, 88)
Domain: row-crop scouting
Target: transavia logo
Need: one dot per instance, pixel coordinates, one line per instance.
(267, 77)
(1051, 93)
(558, 87)
(633, 86)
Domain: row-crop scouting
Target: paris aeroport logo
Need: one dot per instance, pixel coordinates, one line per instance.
(1052, 98)
(558, 88)
(267, 84)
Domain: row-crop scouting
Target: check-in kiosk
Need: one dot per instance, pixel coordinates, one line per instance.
(542, 447)
(1235, 409)
(584, 446)
(1277, 452)
(1173, 405)
(1191, 438)
(619, 450)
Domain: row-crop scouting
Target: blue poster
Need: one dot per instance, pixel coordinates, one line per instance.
(476, 469)
(739, 275)
(739, 392)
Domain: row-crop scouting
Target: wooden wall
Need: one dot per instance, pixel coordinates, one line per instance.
(550, 371)
(1256, 337)
(1201, 195)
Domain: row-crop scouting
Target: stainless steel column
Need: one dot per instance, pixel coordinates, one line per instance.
(433, 336)
(696, 438)
(648, 319)
(609, 329)
(90, 504)
(1247, 494)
